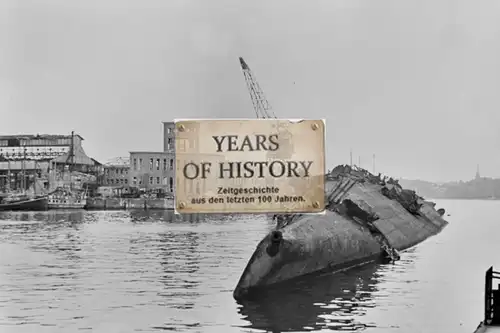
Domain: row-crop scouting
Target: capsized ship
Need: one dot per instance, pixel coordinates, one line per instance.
(368, 218)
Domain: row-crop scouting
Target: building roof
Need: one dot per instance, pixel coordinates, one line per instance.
(79, 157)
(118, 161)
(96, 162)
(39, 136)
(151, 152)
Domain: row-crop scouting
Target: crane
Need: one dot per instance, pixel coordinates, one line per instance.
(260, 103)
(263, 110)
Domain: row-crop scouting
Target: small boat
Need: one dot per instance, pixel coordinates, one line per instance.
(26, 199)
(24, 203)
(491, 320)
(63, 198)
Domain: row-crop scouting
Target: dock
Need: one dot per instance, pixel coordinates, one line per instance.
(130, 203)
(491, 321)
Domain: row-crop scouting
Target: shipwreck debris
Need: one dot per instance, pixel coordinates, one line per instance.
(407, 198)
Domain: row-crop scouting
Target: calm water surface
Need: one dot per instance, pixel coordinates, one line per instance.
(149, 272)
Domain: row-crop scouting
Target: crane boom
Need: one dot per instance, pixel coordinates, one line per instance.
(260, 103)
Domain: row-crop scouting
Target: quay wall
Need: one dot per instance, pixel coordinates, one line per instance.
(129, 203)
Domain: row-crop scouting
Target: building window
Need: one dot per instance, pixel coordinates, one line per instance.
(157, 164)
(157, 180)
(140, 164)
(151, 180)
(126, 181)
(164, 164)
(165, 179)
(171, 164)
(169, 130)
(169, 143)
(134, 180)
(150, 164)
(171, 184)
(182, 145)
(135, 163)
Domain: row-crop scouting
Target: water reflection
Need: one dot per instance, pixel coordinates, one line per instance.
(52, 216)
(165, 216)
(180, 261)
(331, 301)
(139, 216)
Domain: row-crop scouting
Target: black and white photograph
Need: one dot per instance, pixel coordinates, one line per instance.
(249, 166)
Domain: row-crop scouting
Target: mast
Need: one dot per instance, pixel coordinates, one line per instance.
(70, 158)
(8, 174)
(23, 183)
(71, 152)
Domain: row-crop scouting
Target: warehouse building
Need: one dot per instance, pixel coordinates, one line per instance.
(116, 172)
(44, 158)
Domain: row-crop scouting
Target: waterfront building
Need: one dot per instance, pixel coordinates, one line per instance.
(116, 172)
(188, 150)
(46, 159)
(152, 170)
(169, 136)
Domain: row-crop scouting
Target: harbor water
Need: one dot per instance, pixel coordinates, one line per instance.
(137, 271)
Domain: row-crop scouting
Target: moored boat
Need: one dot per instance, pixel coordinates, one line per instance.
(24, 204)
(63, 198)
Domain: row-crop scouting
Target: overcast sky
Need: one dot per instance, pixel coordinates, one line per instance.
(415, 82)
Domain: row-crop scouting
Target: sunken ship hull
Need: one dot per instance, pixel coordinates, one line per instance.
(367, 219)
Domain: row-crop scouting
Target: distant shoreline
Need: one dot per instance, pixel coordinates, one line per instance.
(447, 198)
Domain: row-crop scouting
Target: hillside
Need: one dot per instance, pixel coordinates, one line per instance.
(479, 188)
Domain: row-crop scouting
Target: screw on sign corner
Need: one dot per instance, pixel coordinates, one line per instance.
(314, 126)
(316, 204)
(181, 128)
(182, 205)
